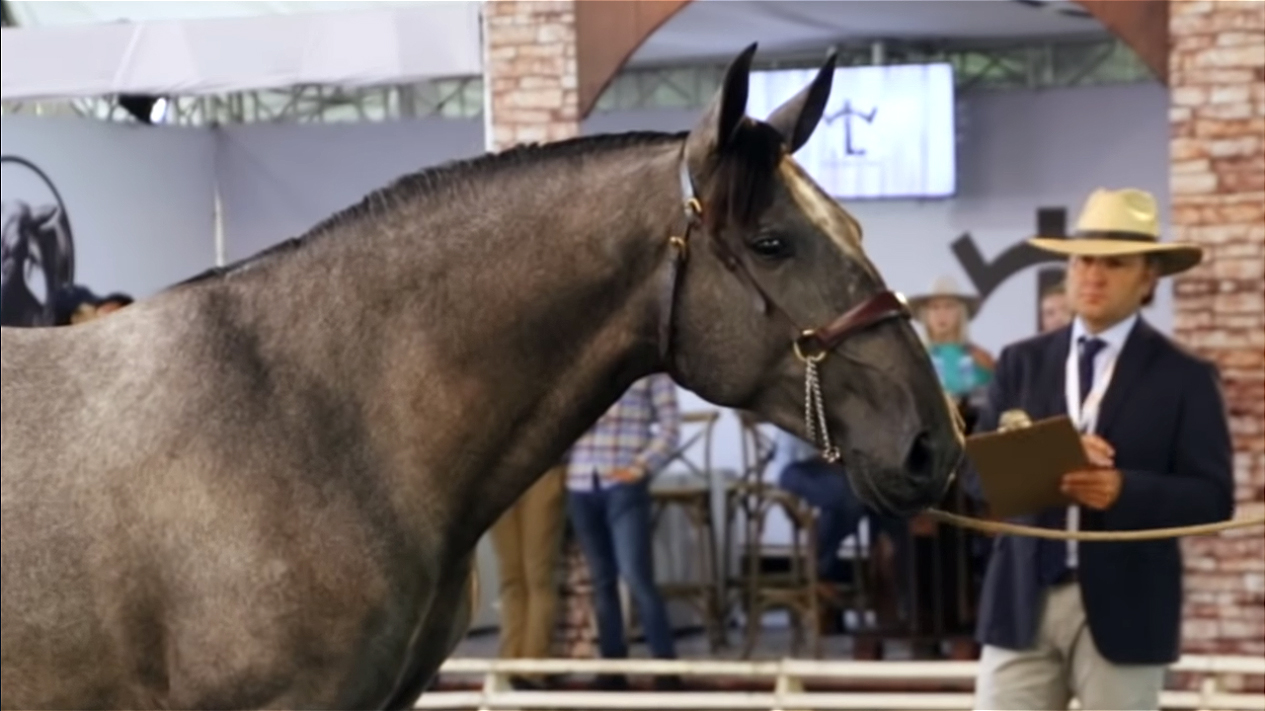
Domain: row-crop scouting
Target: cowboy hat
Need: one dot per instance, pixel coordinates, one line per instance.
(946, 287)
(1119, 222)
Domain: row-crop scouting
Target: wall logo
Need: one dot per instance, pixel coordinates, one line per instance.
(848, 114)
(988, 275)
(38, 250)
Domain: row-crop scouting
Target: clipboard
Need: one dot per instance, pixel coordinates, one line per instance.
(1020, 470)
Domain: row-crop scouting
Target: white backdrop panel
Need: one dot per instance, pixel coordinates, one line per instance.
(139, 198)
(277, 181)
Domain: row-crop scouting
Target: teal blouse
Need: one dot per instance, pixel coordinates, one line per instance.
(958, 371)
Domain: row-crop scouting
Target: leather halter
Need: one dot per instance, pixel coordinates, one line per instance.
(811, 345)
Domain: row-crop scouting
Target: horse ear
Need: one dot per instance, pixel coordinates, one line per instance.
(798, 117)
(720, 121)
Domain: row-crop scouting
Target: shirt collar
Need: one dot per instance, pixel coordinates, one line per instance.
(1114, 336)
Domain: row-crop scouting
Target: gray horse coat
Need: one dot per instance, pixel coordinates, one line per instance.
(263, 487)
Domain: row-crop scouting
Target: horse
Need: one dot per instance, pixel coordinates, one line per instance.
(263, 486)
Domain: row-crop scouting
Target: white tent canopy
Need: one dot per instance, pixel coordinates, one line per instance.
(344, 44)
(42, 13)
(74, 49)
(716, 30)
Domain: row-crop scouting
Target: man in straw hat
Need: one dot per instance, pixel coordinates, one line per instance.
(1101, 620)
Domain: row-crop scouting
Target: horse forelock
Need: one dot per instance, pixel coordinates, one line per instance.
(740, 184)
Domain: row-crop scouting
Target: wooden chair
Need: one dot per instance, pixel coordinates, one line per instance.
(938, 575)
(795, 589)
(688, 489)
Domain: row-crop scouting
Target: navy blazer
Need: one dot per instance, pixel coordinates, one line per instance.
(1164, 414)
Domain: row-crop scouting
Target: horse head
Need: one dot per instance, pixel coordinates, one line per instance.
(776, 309)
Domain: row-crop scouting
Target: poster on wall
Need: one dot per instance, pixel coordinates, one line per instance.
(99, 208)
(887, 132)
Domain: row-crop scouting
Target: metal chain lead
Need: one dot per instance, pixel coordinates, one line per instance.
(815, 414)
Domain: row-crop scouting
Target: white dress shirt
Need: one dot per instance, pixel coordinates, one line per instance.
(1104, 366)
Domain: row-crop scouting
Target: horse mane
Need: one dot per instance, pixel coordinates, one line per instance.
(740, 185)
(458, 173)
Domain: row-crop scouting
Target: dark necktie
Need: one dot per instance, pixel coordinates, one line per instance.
(1090, 348)
(1052, 554)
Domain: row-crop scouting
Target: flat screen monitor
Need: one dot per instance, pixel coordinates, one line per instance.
(887, 132)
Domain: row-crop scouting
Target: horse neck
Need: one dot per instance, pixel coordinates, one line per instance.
(485, 331)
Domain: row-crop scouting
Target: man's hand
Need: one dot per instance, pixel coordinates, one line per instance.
(1095, 488)
(1098, 451)
(1099, 486)
(628, 475)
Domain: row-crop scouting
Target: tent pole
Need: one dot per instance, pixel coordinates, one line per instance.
(219, 228)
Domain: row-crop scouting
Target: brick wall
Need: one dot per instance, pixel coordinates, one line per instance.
(576, 633)
(530, 75)
(1217, 114)
(530, 71)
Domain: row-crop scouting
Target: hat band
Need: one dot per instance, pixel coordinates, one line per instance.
(1116, 235)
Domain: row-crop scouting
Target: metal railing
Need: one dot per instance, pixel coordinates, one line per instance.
(788, 677)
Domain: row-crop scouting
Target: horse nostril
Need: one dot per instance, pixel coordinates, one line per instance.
(919, 460)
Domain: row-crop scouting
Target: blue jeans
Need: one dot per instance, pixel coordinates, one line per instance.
(825, 486)
(612, 526)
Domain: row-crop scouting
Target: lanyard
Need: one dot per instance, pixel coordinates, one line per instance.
(1085, 415)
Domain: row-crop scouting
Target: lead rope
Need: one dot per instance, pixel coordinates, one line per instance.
(1016, 419)
(1150, 534)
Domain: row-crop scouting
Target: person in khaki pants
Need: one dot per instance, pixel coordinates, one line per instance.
(527, 539)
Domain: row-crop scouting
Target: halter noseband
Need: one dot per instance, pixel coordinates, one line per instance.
(811, 346)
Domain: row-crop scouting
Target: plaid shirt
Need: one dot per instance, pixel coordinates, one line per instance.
(641, 429)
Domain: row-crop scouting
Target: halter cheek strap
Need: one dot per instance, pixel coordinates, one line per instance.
(679, 245)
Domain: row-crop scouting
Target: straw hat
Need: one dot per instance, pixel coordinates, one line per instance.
(946, 287)
(1118, 222)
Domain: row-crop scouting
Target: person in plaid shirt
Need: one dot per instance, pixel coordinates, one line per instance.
(608, 501)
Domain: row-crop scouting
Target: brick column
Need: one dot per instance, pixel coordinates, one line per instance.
(1217, 114)
(529, 72)
(530, 96)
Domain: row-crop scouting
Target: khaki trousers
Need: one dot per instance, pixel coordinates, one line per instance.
(527, 539)
(1064, 662)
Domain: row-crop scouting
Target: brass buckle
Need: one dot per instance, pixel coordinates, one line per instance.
(694, 206)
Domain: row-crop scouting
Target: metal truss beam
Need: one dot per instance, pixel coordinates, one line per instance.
(979, 67)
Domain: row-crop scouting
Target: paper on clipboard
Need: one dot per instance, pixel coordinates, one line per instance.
(1021, 470)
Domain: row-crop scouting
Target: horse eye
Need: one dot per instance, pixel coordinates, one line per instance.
(770, 247)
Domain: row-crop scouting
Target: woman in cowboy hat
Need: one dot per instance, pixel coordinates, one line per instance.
(964, 368)
(1101, 621)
